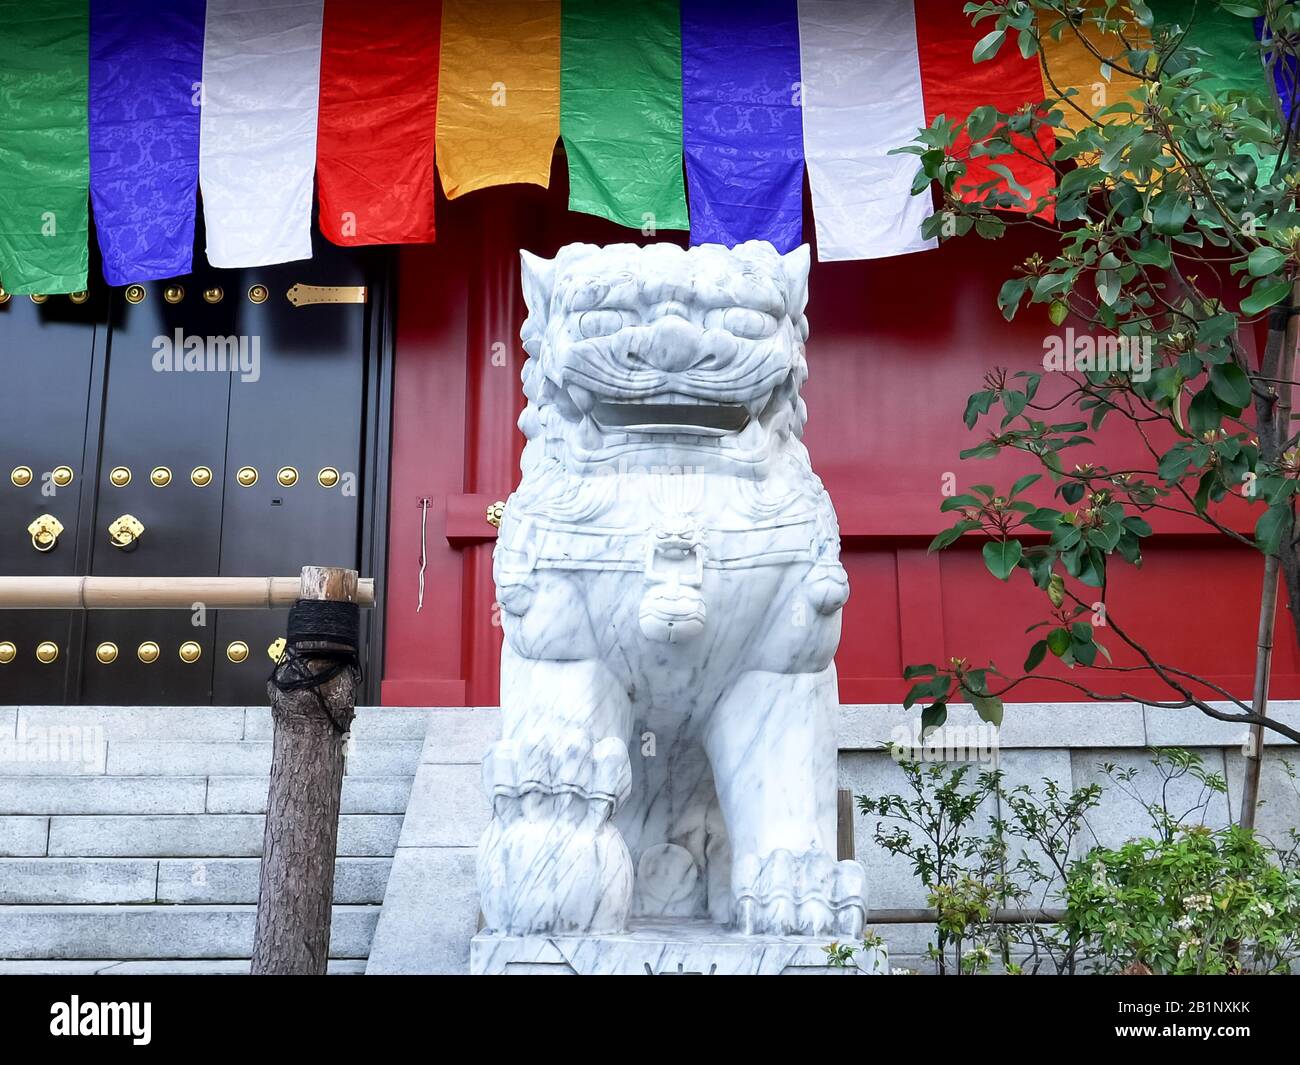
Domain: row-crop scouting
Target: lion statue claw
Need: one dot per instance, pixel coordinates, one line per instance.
(670, 587)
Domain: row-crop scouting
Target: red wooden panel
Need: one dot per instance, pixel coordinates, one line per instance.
(896, 346)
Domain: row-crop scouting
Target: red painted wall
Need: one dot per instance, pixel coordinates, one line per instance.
(896, 345)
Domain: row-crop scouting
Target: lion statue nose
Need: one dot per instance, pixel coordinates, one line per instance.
(672, 345)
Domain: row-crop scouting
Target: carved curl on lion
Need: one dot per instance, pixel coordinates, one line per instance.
(670, 587)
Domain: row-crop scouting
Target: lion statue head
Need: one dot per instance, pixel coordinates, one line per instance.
(693, 356)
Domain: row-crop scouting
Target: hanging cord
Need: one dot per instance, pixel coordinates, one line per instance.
(319, 621)
(424, 524)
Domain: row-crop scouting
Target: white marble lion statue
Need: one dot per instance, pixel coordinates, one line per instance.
(670, 588)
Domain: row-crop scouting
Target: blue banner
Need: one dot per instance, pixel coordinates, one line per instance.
(742, 121)
(146, 68)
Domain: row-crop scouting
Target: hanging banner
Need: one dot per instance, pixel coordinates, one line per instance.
(378, 116)
(1071, 61)
(1284, 74)
(621, 111)
(861, 99)
(146, 65)
(953, 84)
(44, 152)
(257, 149)
(742, 126)
(498, 93)
(1228, 42)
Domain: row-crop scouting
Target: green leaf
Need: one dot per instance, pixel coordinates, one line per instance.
(1203, 412)
(1058, 311)
(989, 708)
(1014, 402)
(1264, 295)
(1009, 296)
(1001, 557)
(988, 45)
(1024, 482)
(1230, 384)
(1056, 590)
(1264, 261)
(1036, 655)
(932, 717)
(912, 672)
(1058, 641)
(1271, 527)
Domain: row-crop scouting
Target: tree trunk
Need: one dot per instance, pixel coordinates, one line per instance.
(296, 894)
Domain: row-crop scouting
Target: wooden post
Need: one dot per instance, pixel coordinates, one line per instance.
(296, 894)
(844, 844)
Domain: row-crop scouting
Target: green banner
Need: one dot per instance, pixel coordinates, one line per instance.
(621, 111)
(1232, 50)
(44, 147)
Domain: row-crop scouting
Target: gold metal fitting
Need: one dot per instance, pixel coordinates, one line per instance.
(135, 293)
(276, 650)
(190, 652)
(328, 477)
(8, 652)
(287, 476)
(258, 294)
(106, 653)
(21, 476)
(495, 512)
(147, 652)
(215, 294)
(47, 652)
(200, 476)
(79, 297)
(174, 293)
(45, 532)
(125, 532)
(119, 476)
(62, 476)
(237, 651)
(160, 477)
(247, 476)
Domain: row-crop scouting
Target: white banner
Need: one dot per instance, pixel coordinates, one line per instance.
(257, 146)
(862, 98)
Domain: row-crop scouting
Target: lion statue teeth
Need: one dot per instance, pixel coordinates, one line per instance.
(670, 587)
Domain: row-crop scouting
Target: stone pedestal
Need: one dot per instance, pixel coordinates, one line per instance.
(664, 948)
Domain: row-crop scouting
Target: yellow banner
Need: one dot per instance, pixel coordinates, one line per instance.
(498, 93)
(1076, 61)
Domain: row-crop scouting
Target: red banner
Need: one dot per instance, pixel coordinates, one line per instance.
(954, 85)
(378, 115)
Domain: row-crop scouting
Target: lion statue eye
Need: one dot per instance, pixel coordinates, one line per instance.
(748, 324)
(599, 323)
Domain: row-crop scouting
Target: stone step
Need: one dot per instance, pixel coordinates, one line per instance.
(132, 933)
(188, 835)
(166, 967)
(143, 881)
(361, 795)
(38, 796)
(191, 881)
(121, 723)
(367, 758)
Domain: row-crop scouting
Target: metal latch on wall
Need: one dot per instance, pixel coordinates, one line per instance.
(301, 295)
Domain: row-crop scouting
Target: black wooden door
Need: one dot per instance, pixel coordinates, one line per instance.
(229, 437)
(46, 380)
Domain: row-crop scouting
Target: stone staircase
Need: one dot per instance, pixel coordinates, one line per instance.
(130, 836)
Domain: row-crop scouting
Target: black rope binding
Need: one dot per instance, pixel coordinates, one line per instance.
(319, 621)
